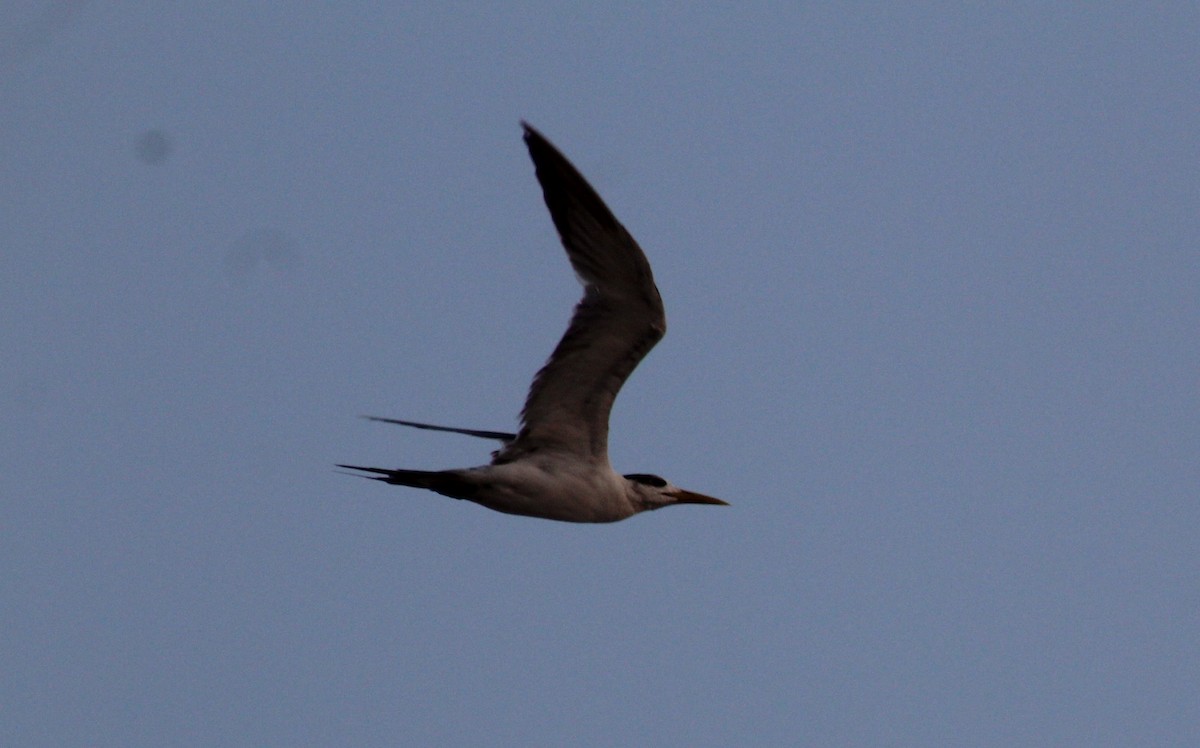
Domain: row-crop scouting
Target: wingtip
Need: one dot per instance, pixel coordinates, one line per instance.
(533, 136)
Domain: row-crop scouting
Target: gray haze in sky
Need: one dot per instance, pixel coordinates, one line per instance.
(932, 278)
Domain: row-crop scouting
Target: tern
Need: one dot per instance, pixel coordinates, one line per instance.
(556, 467)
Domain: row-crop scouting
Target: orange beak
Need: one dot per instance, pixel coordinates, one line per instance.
(687, 497)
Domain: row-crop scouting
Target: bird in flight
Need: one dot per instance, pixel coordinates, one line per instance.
(556, 466)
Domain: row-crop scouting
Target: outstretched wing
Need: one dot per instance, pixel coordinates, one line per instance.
(618, 321)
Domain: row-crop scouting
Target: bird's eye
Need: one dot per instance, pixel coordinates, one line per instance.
(649, 480)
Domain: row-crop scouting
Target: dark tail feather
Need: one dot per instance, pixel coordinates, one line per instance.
(503, 436)
(414, 478)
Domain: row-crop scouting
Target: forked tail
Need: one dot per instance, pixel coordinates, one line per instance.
(415, 478)
(503, 436)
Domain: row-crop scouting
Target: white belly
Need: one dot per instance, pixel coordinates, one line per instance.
(570, 491)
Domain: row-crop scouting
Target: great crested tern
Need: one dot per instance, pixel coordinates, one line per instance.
(556, 466)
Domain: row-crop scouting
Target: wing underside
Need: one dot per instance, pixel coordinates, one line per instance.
(616, 323)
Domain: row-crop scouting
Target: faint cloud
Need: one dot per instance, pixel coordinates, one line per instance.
(258, 249)
(153, 147)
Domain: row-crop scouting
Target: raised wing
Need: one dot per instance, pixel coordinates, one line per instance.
(618, 321)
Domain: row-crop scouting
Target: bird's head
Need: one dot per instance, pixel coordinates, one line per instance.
(648, 492)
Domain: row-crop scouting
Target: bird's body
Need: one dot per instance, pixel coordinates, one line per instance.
(548, 486)
(556, 466)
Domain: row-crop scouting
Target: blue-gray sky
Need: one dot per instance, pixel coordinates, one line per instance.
(932, 277)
